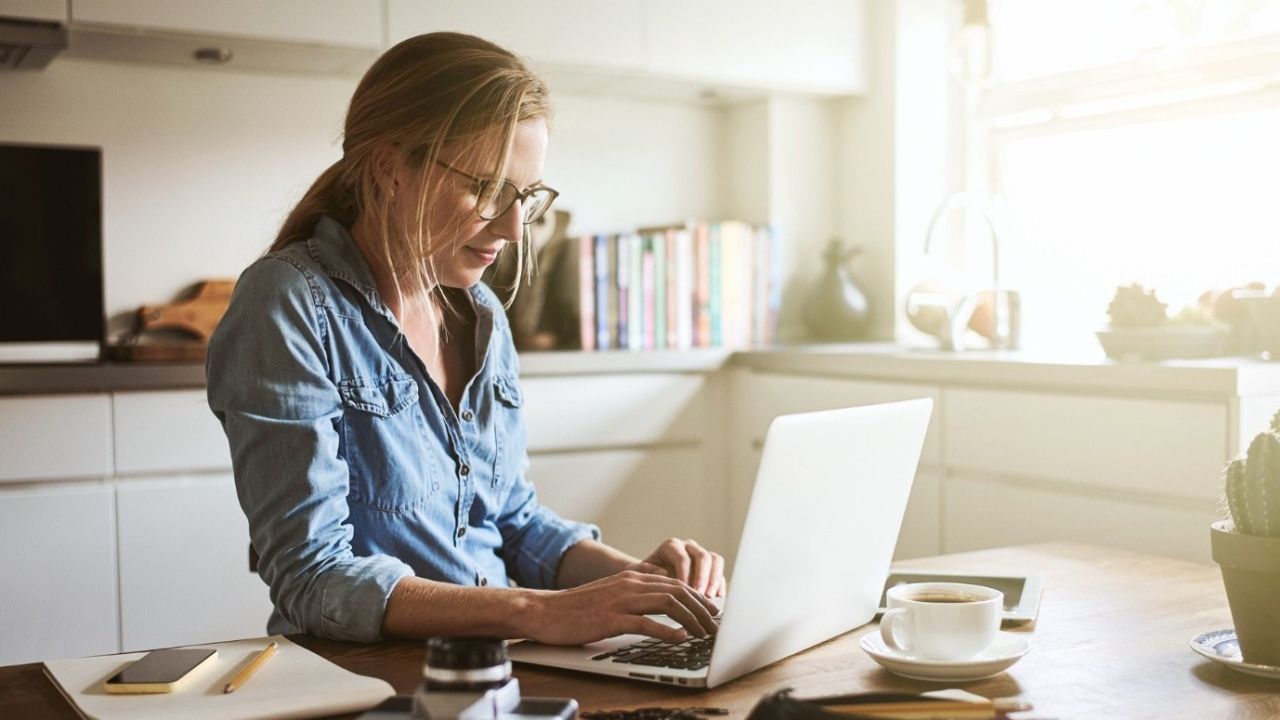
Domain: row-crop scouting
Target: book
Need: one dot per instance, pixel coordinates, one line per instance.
(586, 292)
(296, 683)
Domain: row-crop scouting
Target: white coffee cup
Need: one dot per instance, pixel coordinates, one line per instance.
(941, 621)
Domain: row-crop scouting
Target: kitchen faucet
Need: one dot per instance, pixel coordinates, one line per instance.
(1004, 325)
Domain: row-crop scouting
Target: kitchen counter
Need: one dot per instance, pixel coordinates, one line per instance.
(1085, 371)
(881, 361)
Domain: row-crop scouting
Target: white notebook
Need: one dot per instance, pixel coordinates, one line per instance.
(295, 683)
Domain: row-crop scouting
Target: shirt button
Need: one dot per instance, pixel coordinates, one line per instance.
(484, 581)
(462, 531)
(468, 415)
(465, 470)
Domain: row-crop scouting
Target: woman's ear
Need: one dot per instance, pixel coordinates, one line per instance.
(387, 169)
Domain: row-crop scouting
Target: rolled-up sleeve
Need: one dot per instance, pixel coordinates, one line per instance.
(535, 538)
(269, 386)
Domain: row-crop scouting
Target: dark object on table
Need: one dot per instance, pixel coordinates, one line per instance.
(655, 713)
(179, 331)
(469, 677)
(782, 706)
(836, 309)
(544, 313)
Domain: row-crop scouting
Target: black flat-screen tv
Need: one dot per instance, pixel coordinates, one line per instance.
(51, 304)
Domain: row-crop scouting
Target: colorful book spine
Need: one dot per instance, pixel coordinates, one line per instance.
(659, 241)
(601, 265)
(623, 289)
(586, 293)
(647, 288)
(702, 286)
(686, 300)
(636, 304)
(715, 282)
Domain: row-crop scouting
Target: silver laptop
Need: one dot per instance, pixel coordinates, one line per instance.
(813, 557)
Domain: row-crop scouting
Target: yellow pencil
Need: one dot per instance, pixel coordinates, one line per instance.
(258, 661)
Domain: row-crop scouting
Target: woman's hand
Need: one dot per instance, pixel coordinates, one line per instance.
(689, 562)
(617, 604)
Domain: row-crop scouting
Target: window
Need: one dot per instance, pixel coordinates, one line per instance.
(1129, 141)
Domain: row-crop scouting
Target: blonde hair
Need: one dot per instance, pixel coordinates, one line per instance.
(426, 93)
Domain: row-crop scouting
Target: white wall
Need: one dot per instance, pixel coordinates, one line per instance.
(201, 165)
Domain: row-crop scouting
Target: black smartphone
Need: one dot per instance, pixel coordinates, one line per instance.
(159, 671)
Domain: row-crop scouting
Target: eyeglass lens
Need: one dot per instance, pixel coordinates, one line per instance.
(493, 205)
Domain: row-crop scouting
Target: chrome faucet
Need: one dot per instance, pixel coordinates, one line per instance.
(1005, 311)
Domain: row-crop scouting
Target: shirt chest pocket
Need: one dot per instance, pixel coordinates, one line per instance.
(385, 440)
(508, 431)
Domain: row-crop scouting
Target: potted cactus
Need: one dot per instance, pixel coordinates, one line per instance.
(1247, 546)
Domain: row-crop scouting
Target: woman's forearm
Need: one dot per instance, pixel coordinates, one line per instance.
(420, 608)
(590, 560)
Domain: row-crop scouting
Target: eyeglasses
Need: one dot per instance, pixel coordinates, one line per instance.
(492, 205)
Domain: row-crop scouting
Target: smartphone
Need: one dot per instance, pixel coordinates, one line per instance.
(160, 671)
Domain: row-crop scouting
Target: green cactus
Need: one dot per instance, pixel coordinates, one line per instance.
(1252, 485)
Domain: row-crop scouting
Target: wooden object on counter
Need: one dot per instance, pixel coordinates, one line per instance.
(196, 317)
(1111, 641)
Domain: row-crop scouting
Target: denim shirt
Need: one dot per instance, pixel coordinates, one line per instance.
(351, 465)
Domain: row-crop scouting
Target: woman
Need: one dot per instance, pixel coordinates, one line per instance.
(368, 385)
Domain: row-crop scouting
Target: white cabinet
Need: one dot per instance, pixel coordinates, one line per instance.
(59, 589)
(603, 411)
(1168, 447)
(637, 497)
(55, 436)
(167, 431)
(805, 45)
(769, 395)
(184, 571)
(293, 36)
(40, 10)
(576, 33)
(801, 45)
(339, 22)
(983, 512)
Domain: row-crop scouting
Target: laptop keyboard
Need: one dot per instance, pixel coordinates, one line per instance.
(691, 654)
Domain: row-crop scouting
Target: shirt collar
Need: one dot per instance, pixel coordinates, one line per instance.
(333, 248)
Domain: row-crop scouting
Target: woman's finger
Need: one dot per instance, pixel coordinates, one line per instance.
(673, 553)
(700, 570)
(717, 575)
(683, 612)
(641, 625)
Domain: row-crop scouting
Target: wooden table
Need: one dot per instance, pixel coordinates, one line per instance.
(1111, 641)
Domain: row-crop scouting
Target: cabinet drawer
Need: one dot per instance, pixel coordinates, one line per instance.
(59, 570)
(981, 513)
(638, 498)
(167, 431)
(768, 396)
(612, 410)
(184, 564)
(1156, 446)
(59, 436)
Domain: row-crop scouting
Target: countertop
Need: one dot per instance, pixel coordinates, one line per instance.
(1086, 371)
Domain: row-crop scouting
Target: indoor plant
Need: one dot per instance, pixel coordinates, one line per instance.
(1247, 546)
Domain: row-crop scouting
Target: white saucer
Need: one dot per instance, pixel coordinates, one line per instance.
(1004, 652)
(1221, 646)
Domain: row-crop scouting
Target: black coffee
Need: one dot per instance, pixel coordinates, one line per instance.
(950, 597)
